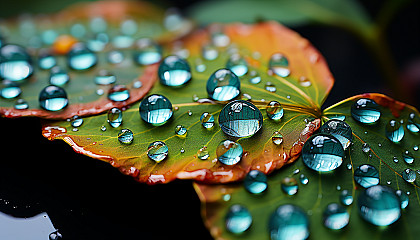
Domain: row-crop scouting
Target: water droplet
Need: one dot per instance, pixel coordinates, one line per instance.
(240, 119)
(10, 90)
(288, 222)
(366, 111)
(408, 157)
(365, 148)
(180, 131)
(77, 122)
(229, 152)
(237, 65)
(379, 205)
(182, 150)
(279, 65)
(277, 138)
(125, 136)
(209, 52)
(174, 71)
(118, 93)
(254, 77)
(289, 186)
(394, 131)
(103, 128)
(46, 61)
(81, 58)
(128, 27)
(338, 117)
(395, 159)
(55, 236)
(413, 123)
(15, 63)
(338, 187)
(335, 216)
(137, 84)
(122, 41)
(98, 24)
(346, 198)
(53, 98)
(255, 182)
(415, 148)
(409, 175)
(226, 197)
(58, 76)
(304, 82)
(349, 167)
(403, 198)
(155, 109)
(269, 86)
(274, 110)
(303, 179)
(105, 78)
(322, 152)
(238, 219)
(207, 120)
(340, 130)
(203, 154)
(157, 151)
(366, 175)
(148, 52)
(115, 57)
(21, 104)
(223, 85)
(115, 117)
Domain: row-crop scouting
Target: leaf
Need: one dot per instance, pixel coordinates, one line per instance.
(256, 43)
(82, 91)
(324, 189)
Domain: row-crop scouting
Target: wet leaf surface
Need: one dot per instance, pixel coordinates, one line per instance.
(325, 188)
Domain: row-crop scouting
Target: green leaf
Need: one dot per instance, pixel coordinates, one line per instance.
(256, 44)
(325, 188)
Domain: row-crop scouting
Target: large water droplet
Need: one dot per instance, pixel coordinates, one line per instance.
(115, 117)
(408, 157)
(118, 93)
(10, 90)
(237, 65)
(15, 63)
(277, 138)
(81, 58)
(58, 76)
(53, 98)
(223, 85)
(21, 104)
(148, 52)
(288, 222)
(274, 110)
(180, 131)
(335, 216)
(413, 123)
(366, 111)
(157, 151)
(207, 120)
(409, 175)
(403, 198)
(394, 131)
(289, 186)
(340, 130)
(279, 65)
(174, 71)
(366, 175)
(125, 136)
(229, 152)
(255, 182)
(379, 205)
(346, 198)
(240, 119)
(155, 109)
(322, 153)
(238, 219)
(105, 78)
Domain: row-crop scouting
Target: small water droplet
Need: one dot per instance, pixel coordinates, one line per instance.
(46, 61)
(155, 109)
(237, 65)
(394, 131)
(277, 138)
(349, 167)
(203, 154)
(340, 130)
(379, 205)
(180, 131)
(157, 151)
(115, 117)
(103, 128)
(115, 57)
(238, 219)
(335, 216)
(182, 150)
(10, 90)
(269, 86)
(395, 159)
(365, 148)
(304, 82)
(413, 123)
(255, 182)
(338, 117)
(240, 119)
(296, 171)
(174, 71)
(105, 78)
(81, 58)
(366, 175)
(226, 197)
(223, 85)
(15, 63)
(303, 179)
(289, 186)
(408, 157)
(338, 187)
(416, 148)
(122, 41)
(209, 52)
(346, 198)
(118, 93)
(53, 98)
(21, 104)
(403, 198)
(274, 110)
(388, 182)
(55, 236)
(207, 120)
(366, 111)
(288, 222)
(409, 175)
(279, 65)
(125, 136)
(77, 121)
(229, 152)
(58, 76)
(322, 152)
(148, 52)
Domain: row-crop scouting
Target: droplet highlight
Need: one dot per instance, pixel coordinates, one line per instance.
(157, 151)
(335, 216)
(238, 219)
(274, 110)
(366, 175)
(255, 182)
(394, 131)
(366, 111)
(340, 130)
(174, 71)
(53, 98)
(223, 85)
(279, 65)
(155, 109)
(229, 152)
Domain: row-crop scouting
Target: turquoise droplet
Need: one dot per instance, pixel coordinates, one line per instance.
(58, 76)
(148, 52)
(181, 131)
(408, 157)
(279, 65)
(155, 109)
(122, 41)
(21, 104)
(346, 197)
(335, 216)
(125, 136)
(409, 175)
(288, 222)
(207, 120)
(379, 205)
(366, 175)
(209, 52)
(15, 63)
(240, 119)
(394, 131)
(289, 186)
(118, 93)
(174, 71)
(255, 182)
(229, 152)
(322, 153)
(10, 90)
(157, 151)
(115, 117)
(303, 179)
(115, 57)
(403, 198)
(81, 58)
(237, 65)
(366, 111)
(53, 98)
(223, 85)
(274, 110)
(105, 78)
(340, 130)
(238, 219)
(77, 122)
(413, 123)
(46, 61)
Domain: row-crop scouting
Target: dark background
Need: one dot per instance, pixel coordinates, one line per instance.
(89, 199)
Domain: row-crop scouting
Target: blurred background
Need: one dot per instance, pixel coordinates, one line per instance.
(87, 199)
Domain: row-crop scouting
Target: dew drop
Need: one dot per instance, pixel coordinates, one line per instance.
(240, 119)
(21, 104)
(77, 122)
(180, 131)
(409, 175)
(274, 110)
(289, 186)
(118, 93)
(223, 85)
(174, 71)
(288, 222)
(58, 76)
(349, 167)
(340, 130)
(137, 84)
(157, 151)
(237, 65)
(277, 138)
(304, 82)
(303, 179)
(395, 159)
(105, 78)
(209, 52)
(254, 77)
(238, 219)
(207, 120)
(279, 65)
(366, 111)
(413, 123)
(155, 109)
(55, 236)
(394, 131)
(403, 198)
(148, 52)
(203, 154)
(415, 148)
(335, 216)
(408, 157)
(125, 136)
(103, 128)
(115, 57)
(15, 63)
(46, 61)
(10, 90)
(81, 58)
(229, 152)
(365, 148)
(346, 198)
(53, 98)
(269, 86)
(366, 175)
(182, 150)
(115, 117)
(338, 117)
(255, 182)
